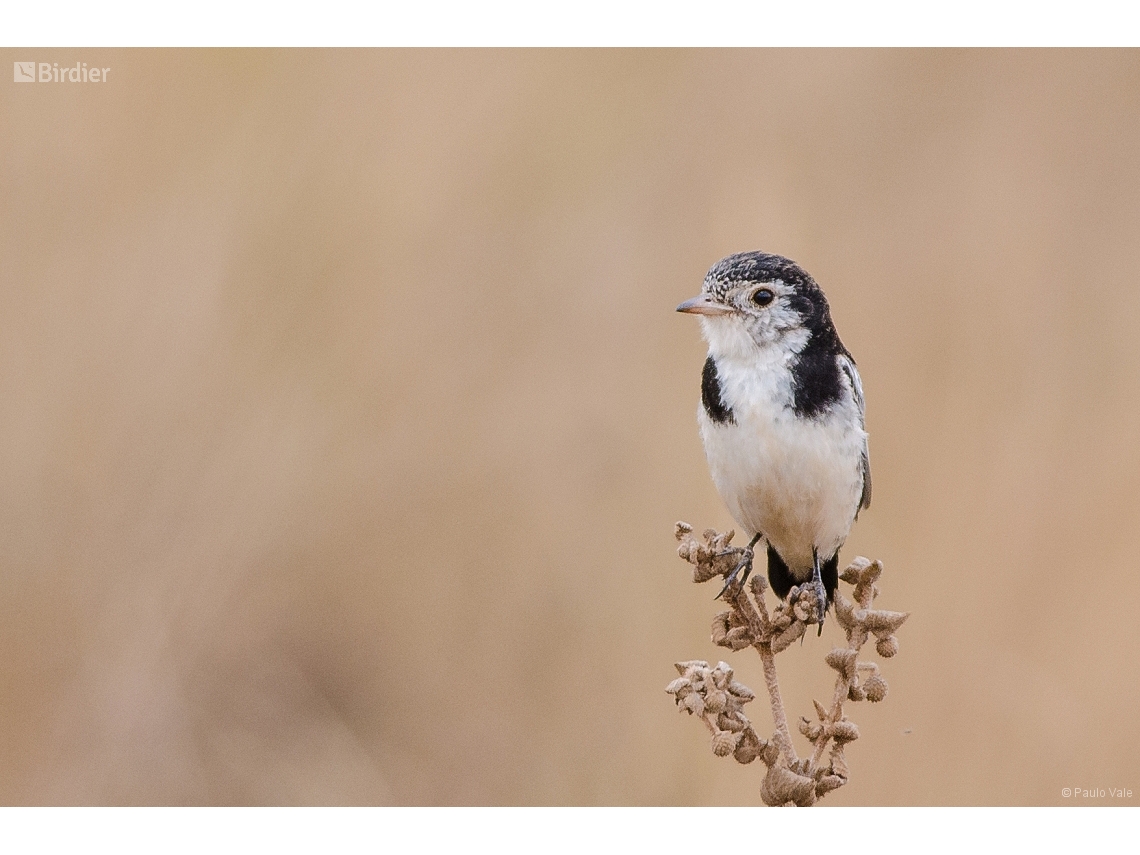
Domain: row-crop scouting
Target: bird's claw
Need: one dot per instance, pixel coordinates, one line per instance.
(745, 564)
(820, 602)
(820, 594)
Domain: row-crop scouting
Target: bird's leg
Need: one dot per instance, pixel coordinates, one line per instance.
(744, 564)
(817, 586)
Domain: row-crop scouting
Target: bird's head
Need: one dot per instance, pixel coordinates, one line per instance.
(756, 299)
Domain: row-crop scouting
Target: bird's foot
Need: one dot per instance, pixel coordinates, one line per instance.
(820, 597)
(743, 566)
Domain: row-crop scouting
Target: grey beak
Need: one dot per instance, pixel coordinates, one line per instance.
(703, 305)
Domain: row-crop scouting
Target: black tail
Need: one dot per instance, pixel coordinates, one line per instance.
(780, 577)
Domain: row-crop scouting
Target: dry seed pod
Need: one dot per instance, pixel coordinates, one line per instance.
(839, 762)
(828, 783)
(719, 627)
(694, 704)
(794, 632)
(876, 688)
(769, 752)
(844, 731)
(869, 572)
(702, 572)
(887, 647)
(857, 566)
(781, 786)
(882, 622)
(801, 611)
(726, 721)
(741, 691)
(738, 638)
(844, 611)
(724, 742)
(690, 665)
(810, 729)
(856, 693)
(843, 661)
(715, 701)
(865, 593)
(722, 674)
(677, 685)
(749, 747)
(800, 767)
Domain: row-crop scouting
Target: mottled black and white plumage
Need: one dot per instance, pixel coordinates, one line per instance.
(781, 418)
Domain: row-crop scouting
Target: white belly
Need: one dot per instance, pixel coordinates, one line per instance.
(796, 481)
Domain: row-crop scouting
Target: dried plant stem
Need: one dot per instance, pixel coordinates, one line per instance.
(713, 696)
(783, 735)
(761, 627)
(842, 688)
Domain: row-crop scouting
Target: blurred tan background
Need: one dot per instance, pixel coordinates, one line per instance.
(346, 416)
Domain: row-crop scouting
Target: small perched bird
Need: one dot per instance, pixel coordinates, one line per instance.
(781, 419)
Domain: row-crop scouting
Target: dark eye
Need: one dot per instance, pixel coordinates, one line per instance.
(763, 297)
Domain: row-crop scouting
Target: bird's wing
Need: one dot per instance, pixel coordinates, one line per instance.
(848, 366)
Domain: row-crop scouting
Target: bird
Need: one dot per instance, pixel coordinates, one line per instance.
(781, 419)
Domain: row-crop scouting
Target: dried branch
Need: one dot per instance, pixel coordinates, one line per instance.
(711, 694)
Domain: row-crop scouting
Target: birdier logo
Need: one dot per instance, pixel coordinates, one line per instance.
(51, 72)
